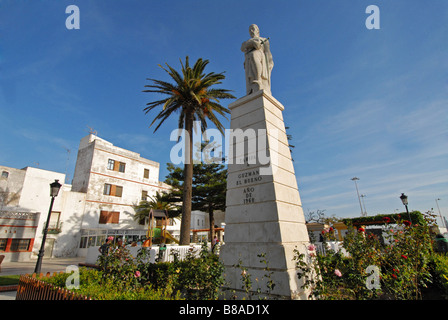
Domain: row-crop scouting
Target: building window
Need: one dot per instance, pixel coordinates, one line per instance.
(116, 165)
(54, 220)
(107, 188)
(146, 174)
(20, 245)
(144, 195)
(109, 217)
(113, 190)
(54, 227)
(3, 244)
(83, 243)
(5, 174)
(110, 164)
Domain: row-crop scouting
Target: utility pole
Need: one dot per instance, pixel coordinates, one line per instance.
(440, 214)
(364, 205)
(357, 192)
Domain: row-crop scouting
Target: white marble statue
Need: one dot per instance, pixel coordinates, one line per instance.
(258, 62)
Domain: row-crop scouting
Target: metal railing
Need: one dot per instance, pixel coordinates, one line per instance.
(32, 288)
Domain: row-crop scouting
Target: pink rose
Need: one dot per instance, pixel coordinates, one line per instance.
(338, 273)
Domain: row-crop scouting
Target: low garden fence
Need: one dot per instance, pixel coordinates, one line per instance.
(31, 288)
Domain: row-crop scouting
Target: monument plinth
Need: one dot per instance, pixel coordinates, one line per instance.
(263, 209)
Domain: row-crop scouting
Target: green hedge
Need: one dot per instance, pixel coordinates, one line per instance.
(93, 284)
(439, 271)
(123, 278)
(416, 217)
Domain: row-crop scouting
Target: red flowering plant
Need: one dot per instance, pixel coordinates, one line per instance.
(405, 258)
(328, 234)
(400, 257)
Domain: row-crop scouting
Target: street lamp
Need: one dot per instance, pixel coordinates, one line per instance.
(440, 214)
(54, 190)
(357, 192)
(404, 199)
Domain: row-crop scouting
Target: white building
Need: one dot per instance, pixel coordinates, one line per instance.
(24, 204)
(114, 180)
(108, 181)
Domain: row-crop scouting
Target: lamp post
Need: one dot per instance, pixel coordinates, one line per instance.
(440, 214)
(364, 205)
(404, 199)
(357, 192)
(54, 190)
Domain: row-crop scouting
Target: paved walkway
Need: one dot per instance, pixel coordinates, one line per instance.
(48, 265)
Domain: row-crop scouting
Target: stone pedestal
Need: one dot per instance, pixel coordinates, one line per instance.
(263, 209)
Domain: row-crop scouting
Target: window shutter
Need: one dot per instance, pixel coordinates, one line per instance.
(115, 217)
(113, 190)
(103, 217)
(118, 191)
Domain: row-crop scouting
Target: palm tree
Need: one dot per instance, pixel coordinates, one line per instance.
(158, 202)
(192, 97)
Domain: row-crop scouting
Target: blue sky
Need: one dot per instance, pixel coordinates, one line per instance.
(366, 103)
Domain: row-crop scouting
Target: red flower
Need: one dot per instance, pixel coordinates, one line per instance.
(407, 223)
(386, 219)
(404, 256)
(361, 229)
(394, 276)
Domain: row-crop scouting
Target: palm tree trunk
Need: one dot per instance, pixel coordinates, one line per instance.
(188, 174)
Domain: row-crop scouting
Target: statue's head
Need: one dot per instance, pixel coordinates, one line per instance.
(254, 31)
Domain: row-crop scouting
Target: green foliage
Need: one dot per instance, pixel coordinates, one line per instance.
(190, 92)
(416, 218)
(9, 280)
(208, 187)
(266, 280)
(160, 201)
(122, 277)
(439, 272)
(94, 284)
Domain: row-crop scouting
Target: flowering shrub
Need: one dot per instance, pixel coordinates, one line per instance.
(439, 271)
(123, 277)
(96, 286)
(402, 260)
(192, 278)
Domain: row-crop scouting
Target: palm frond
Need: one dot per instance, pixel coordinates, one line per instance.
(190, 92)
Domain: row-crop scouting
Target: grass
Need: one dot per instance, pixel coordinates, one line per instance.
(9, 280)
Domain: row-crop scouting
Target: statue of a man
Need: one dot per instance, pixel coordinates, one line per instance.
(258, 62)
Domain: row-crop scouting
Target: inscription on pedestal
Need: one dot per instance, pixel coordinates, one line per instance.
(249, 176)
(246, 178)
(249, 195)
